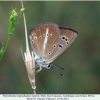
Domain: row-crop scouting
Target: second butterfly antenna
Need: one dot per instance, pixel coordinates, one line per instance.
(55, 66)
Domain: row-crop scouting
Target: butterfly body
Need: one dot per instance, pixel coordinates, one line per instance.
(49, 41)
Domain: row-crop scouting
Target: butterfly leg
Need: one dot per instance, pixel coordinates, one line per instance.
(38, 70)
(35, 66)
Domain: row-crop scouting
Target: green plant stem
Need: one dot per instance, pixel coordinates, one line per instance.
(9, 37)
(17, 22)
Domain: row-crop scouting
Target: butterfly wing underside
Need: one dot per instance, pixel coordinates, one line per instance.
(68, 36)
(45, 40)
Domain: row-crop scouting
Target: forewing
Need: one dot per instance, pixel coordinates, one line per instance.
(45, 40)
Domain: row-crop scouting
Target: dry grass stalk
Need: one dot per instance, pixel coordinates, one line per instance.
(29, 59)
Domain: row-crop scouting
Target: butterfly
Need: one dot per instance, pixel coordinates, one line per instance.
(49, 41)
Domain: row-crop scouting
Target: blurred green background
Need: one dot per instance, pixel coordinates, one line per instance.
(81, 61)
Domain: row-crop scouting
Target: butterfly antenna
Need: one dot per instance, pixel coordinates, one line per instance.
(58, 70)
(60, 67)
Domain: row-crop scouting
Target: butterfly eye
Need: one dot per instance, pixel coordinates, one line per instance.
(49, 66)
(35, 38)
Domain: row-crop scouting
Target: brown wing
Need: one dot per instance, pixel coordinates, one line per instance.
(68, 36)
(45, 40)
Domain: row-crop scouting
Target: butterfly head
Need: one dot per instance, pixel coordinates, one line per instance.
(49, 66)
(43, 64)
